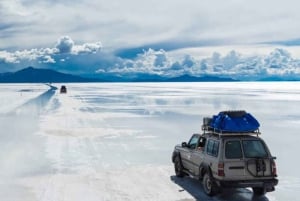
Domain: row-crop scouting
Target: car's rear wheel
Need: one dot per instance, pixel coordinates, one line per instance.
(259, 191)
(178, 167)
(210, 188)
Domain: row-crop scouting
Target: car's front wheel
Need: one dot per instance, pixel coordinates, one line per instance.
(178, 167)
(210, 188)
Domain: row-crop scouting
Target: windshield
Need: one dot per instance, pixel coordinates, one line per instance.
(254, 149)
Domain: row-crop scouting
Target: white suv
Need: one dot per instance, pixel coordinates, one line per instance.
(227, 159)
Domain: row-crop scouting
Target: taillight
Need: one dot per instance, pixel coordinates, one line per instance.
(274, 170)
(221, 172)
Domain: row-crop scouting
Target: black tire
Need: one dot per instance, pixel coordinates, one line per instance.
(178, 167)
(259, 191)
(209, 186)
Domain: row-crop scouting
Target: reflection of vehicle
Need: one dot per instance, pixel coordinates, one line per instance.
(227, 159)
(63, 89)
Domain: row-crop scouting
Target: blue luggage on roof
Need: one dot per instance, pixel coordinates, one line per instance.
(234, 121)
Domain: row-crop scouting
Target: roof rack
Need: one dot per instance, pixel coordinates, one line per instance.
(210, 130)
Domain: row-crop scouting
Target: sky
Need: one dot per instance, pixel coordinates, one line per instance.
(234, 38)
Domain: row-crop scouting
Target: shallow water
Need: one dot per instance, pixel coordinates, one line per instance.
(113, 141)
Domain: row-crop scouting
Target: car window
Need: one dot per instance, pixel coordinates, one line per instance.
(201, 143)
(193, 142)
(215, 148)
(254, 149)
(233, 149)
(212, 148)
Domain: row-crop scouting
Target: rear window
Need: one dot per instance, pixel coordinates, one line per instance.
(233, 150)
(254, 149)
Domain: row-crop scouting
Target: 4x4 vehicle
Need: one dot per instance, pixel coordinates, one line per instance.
(63, 89)
(227, 158)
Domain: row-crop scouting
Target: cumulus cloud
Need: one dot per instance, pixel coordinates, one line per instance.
(278, 62)
(64, 48)
(87, 48)
(48, 59)
(65, 44)
(88, 58)
(160, 59)
(149, 62)
(7, 57)
(157, 63)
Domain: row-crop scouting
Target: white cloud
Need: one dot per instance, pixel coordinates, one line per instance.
(64, 47)
(278, 62)
(136, 23)
(48, 59)
(7, 57)
(160, 58)
(188, 61)
(87, 48)
(13, 7)
(150, 62)
(88, 58)
(65, 44)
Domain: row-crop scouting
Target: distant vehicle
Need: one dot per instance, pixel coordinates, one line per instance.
(229, 153)
(63, 89)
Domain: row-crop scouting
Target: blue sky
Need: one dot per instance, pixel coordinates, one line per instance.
(234, 38)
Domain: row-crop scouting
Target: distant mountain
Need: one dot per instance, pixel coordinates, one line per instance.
(141, 77)
(34, 75)
(278, 79)
(157, 78)
(188, 78)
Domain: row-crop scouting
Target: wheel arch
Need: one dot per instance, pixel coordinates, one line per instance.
(204, 168)
(176, 153)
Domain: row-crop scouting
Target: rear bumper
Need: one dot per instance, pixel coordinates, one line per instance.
(269, 184)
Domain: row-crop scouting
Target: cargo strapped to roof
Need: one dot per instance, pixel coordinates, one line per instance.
(231, 123)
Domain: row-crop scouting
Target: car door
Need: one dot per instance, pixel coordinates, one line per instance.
(186, 154)
(234, 159)
(211, 155)
(197, 155)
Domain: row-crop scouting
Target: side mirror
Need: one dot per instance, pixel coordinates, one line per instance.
(184, 144)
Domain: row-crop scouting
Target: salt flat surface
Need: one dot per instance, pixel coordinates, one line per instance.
(113, 141)
(14, 95)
